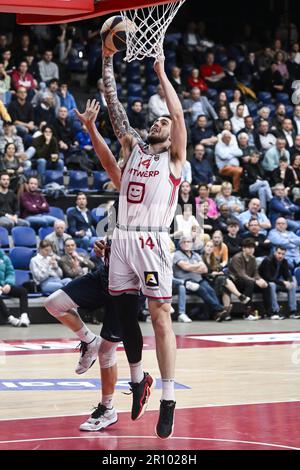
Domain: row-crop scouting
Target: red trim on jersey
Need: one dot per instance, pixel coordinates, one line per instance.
(176, 182)
(158, 298)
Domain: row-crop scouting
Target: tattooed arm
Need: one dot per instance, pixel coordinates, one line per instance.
(127, 136)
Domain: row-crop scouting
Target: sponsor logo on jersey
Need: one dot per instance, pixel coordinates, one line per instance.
(135, 192)
(151, 279)
(143, 174)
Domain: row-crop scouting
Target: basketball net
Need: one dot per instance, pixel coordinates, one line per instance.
(152, 22)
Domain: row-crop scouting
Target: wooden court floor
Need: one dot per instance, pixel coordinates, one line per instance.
(233, 391)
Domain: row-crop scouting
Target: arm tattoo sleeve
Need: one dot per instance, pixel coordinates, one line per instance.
(117, 113)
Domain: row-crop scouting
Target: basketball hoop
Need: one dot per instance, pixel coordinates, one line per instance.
(152, 22)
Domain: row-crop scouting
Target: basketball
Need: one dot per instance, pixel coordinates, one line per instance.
(113, 33)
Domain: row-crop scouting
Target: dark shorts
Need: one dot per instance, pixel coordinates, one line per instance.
(89, 292)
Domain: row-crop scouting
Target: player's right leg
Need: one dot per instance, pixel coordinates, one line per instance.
(61, 306)
(105, 414)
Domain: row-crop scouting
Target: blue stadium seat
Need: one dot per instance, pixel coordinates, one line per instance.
(24, 236)
(283, 98)
(4, 240)
(82, 251)
(57, 212)
(23, 276)
(265, 97)
(289, 110)
(134, 89)
(229, 94)
(212, 94)
(99, 178)
(297, 276)
(131, 99)
(44, 231)
(21, 256)
(98, 213)
(151, 90)
(134, 78)
(54, 176)
(252, 108)
(78, 181)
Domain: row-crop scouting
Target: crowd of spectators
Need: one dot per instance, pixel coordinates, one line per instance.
(239, 202)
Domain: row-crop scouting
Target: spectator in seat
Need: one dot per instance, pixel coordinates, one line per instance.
(263, 114)
(238, 120)
(279, 117)
(272, 156)
(282, 206)
(255, 181)
(234, 203)
(58, 237)
(80, 225)
(296, 149)
(9, 205)
(177, 82)
(212, 73)
(67, 100)
(223, 115)
(249, 131)
(198, 105)
(185, 196)
(284, 174)
(5, 79)
(137, 118)
(188, 266)
(203, 196)
(202, 171)
(22, 114)
(208, 224)
(220, 282)
(64, 132)
(74, 264)
(52, 90)
(8, 287)
(202, 135)
(254, 212)
(184, 223)
(22, 78)
(46, 271)
(47, 68)
(220, 249)
(244, 272)
(225, 216)
(232, 239)
(262, 243)
(227, 159)
(275, 270)
(45, 151)
(194, 80)
(157, 105)
(287, 132)
(14, 166)
(10, 136)
(296, 119)
(281, 236)
(264, 139)
(238, 99)
(44, 112)
(296, 171)
(34, 207)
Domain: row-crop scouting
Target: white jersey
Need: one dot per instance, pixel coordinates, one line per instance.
(149, 192)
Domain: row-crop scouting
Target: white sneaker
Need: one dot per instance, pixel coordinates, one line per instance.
(251, 318)
(88, 354)
(14, 321)
(101, 418)
(24, 320)
(183, 318)
(192, 286)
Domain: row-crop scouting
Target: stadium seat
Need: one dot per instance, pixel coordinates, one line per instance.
(151, 90)
(283, 98)
(134, 78)
(21, 256)
(252, 108)
(25, 276)
(265, 97)
(134, 89)
(212, 94)
(44, 231)
(78, 181)
(24, 236)
(4, 240)
(54, 176)
(289, 111)
(229, 94)
(57, 212)
(99, 178)
(98, 213)
(82, 251)
(297, 276)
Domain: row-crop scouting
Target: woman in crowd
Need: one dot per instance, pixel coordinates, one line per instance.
(220, 249)
(14, 166)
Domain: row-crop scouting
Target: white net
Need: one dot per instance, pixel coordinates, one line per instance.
(151, 24)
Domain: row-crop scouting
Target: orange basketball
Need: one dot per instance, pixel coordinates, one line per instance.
(113, 33)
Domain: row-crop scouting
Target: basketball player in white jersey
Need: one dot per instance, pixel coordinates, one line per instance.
(140, 257)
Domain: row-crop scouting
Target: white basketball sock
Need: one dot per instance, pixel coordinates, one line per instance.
(107, 401)
(85, 334)
(168, 392)
(136, 372)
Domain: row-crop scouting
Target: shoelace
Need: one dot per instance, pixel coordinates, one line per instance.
(98, 411)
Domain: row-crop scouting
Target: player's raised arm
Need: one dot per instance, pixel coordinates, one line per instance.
(103, 152)
(178, 129)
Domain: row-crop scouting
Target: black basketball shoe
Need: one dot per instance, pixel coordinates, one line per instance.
(140, 395)
(165, 425)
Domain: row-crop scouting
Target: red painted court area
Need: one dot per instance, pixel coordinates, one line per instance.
(270, 426)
